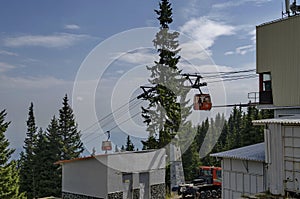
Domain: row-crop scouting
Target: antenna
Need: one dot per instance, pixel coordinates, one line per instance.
(287, 7)
(295, 8)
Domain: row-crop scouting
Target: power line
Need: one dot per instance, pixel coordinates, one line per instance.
(126, 120)
(229, 72)
(233, 79)
(226, 76)
(118, 116)
(115, 126)
(108, 115)
(132, 106)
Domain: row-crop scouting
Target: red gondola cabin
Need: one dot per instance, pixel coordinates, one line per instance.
(202, 102)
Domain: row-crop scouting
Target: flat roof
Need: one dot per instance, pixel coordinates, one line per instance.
(292, 120)
(254, 152)
(277, 20)
(103, 155)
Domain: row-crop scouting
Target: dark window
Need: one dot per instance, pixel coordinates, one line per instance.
(267, 85)
(265, 88)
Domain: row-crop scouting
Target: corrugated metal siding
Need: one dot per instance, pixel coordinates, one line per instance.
(241, 177)
(253, 152)
(285, 121)
(278, 52)
(276, 167)
(291, 137)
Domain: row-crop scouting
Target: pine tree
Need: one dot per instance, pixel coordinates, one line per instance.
(48, 180)
(53, 143)
(191, 162)
(70, 145)
(166, 111)
(27, 172)
(129, 144)
(9, 174)
(122, 148)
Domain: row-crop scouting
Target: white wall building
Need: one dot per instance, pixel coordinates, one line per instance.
(278, 66)
(133, 175)
(243, 171)
(282, 138)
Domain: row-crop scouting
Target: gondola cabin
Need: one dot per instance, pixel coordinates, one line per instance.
(106, 146)
(202, 102)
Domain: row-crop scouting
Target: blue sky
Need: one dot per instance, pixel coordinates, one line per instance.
(43, 44)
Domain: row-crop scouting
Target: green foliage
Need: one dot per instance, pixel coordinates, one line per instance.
(48, 178)
(9, 174)
(70, 143)
(39, 176)
(166, 112)
(191, 162)
(237, 131)
(129, 144)
(27, 172)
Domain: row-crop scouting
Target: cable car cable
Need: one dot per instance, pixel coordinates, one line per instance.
(131, 106)
(108, 115)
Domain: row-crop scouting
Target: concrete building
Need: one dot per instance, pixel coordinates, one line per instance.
(133, 175)
(243, 171)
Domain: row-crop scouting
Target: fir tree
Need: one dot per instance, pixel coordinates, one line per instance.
(27, 172)
(53, 143)
(122, 148)
(166, 111)
(48, 178)
(70, 145)
(9, 174)
(129, 144)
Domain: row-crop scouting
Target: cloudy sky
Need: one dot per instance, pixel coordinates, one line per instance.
(46, 48)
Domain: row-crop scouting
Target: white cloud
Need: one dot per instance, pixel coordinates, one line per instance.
(230, 4)
(72, 27)
(229, 53)
(244, 49)
(203, 32)
(5, 67)
(31, 82)
(206, 31)
(241, 50)
(4, 52)
(253, 36)
(139, 57)
(51, 41)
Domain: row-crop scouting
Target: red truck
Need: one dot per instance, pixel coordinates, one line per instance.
(207, 185)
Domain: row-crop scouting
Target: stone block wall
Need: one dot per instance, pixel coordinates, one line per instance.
(158, 191)
(136, 194)
(66, 195)
(115, 195)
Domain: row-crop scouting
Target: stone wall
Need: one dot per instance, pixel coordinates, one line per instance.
(115, 195)
(66, 195)
(136, 194)
(158, 191)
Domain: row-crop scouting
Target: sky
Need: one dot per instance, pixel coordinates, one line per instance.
(96, 52)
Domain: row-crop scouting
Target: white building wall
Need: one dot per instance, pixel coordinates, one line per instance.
(241, 177)
(291, 141)
(115, 174)
(86, 177)
(276, 167)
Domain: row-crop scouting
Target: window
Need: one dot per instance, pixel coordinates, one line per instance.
(267, 85)
(265, 88)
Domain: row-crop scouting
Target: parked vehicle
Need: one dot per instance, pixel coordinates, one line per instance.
(207, 185)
